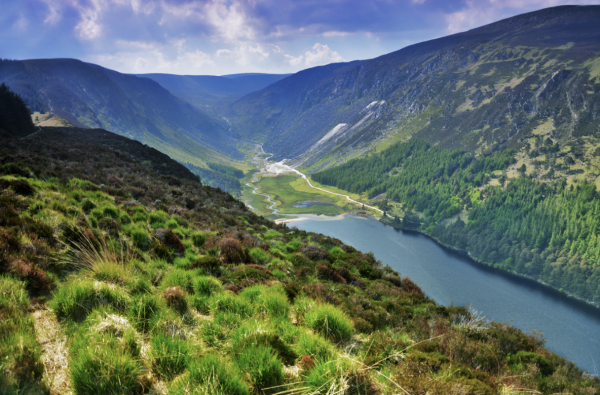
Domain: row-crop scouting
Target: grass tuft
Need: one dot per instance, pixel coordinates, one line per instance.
(170, 355)
(263, 365)
(330, 321)
(211, 375)
(78, 298)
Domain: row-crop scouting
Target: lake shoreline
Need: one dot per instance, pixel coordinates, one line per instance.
(464, 253)
(450, 276)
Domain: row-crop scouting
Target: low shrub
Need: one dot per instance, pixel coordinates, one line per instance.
(231, 250)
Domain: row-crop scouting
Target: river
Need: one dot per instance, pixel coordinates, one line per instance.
(571, 328)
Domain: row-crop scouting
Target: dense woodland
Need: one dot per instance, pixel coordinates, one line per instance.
(436, 181)
(14, 114)
(550, 232)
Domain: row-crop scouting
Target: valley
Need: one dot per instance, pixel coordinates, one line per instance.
(339, 230)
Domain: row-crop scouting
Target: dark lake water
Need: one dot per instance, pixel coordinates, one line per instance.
(571, 328)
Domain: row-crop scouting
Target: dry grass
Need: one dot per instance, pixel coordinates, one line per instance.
(55, 353)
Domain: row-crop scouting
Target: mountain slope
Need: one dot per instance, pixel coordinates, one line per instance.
(483, 89)
(146, 282)
(92, 96)
(210, 90)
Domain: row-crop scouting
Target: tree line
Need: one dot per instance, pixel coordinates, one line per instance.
(550, 232)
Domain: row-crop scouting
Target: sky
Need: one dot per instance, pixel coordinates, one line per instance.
(217, 37)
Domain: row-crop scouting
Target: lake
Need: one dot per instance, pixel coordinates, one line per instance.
(571, 328)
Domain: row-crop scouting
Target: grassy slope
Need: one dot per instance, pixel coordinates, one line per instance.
(221, 300)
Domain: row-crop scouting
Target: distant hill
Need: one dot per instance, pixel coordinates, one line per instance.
(488, 88)
(209, 90)
(140, 108)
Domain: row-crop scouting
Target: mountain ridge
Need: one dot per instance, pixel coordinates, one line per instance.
(92, 96)
(423, 95)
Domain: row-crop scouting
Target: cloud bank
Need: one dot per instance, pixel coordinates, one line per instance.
(231, 36)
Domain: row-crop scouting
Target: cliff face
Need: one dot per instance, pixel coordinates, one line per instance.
(483, 89)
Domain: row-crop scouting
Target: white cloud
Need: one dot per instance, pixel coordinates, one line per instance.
(334, 33)
(294, 61)
(321, 54)
(245, 55)
(481, 12)
(53, 13)
(21, 24)
(175, 56)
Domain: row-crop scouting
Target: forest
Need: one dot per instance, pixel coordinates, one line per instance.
(547, 231)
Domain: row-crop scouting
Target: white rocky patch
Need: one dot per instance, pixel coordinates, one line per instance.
(336, 130)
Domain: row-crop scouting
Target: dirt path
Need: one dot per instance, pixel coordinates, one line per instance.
(55, 353)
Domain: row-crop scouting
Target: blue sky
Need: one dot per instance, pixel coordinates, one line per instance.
(235, 36)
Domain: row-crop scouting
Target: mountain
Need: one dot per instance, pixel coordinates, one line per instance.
(140, 108)
(209, 90)
(120, 277)
(484, 89)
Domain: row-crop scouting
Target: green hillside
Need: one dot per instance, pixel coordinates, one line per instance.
(91, 96)
(485, 89)
(121, 278)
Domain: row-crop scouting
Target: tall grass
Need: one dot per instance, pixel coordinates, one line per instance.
(270, 300)
(104, 357)
(170, 355)
(21, 367)
(211, 375)
(330, 321)
(263, 365)
(78, 298)
(314, 346)
(206, 285)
